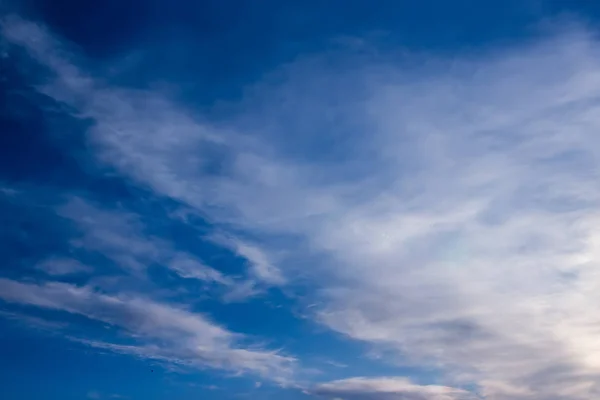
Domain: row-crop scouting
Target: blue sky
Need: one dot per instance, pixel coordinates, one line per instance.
(299, 200)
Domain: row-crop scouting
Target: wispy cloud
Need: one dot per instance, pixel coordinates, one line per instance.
(221, 173)
(120, 236)
(388, 388)
(32, 321)
(161, 331)
(63, 266)
(481, 260)
(260, 265)
(455, 227)
(188, 267)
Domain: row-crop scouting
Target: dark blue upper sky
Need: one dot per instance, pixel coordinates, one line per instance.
(304, 199)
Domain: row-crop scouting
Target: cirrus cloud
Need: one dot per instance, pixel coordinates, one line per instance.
(388, 388)
(456, 229)
(160, 331)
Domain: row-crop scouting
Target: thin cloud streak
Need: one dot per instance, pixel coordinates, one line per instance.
(260, 265)
(63, 266)
(164, 332)
(387, 388)
(120, 236)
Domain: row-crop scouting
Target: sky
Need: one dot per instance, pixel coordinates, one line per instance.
(303, 200)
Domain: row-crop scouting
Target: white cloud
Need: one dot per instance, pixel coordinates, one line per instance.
(261, 267)
(170, 153)
(116, 234)
(188, 267)
(161, 145)
(163, 332)
(120, 236)
(63, 266)
(458, 227)
(388, 388)
(482, 261)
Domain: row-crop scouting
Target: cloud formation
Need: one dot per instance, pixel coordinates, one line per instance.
(120, 237)
(456, 228)
(158, 331)
(388, 388)
(63, 266)
(261, 267)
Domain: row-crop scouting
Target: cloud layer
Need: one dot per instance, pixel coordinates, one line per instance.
(454, 225)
